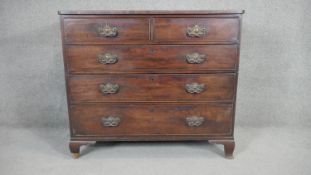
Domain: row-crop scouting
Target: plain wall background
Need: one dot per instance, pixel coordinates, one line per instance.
(273, 122)
(274, 81)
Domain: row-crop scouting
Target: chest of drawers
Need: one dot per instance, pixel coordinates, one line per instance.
(151, 75)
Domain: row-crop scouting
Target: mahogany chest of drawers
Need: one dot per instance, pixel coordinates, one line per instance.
(151, 75)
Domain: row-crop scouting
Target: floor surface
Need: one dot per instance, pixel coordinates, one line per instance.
(259, 151)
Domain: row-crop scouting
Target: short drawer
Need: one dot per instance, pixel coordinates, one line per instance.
(196, 30)
(106, 30)
(151, 119)
(151, 58)
(152, 87)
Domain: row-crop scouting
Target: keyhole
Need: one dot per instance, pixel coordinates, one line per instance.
(151, 110)
(152, 51)
(151, 78)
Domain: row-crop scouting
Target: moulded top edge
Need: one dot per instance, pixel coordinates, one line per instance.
(149, 12)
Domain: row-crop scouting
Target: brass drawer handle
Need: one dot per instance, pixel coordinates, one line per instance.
(196, 31)
(195, 88)
(195, 58)
(107, 31)
(109, 88)
(194, 121)
(107, 58)
(111, 121)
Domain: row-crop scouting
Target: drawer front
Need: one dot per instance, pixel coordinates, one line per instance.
(196, 29)
(151, 119)
(152, 87)
(149, 59)
(106, 30)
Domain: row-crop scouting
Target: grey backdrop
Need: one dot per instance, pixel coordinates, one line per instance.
(274, 82)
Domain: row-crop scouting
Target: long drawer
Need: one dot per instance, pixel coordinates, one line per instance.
(151, 58)
(152, 87)
(151, 119)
